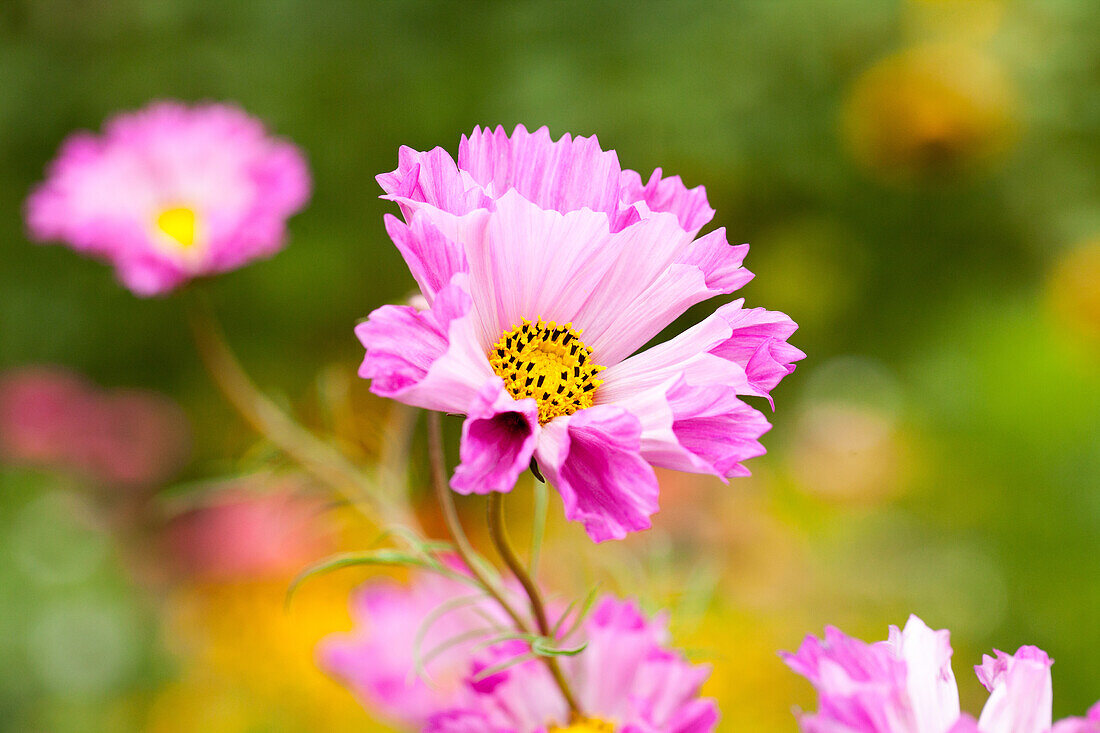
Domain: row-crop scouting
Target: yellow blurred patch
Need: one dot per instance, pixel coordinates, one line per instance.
(929, 113)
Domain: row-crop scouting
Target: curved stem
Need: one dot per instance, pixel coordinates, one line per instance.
(466, 551)
(498, 533)
(313, 454)
(469, 556)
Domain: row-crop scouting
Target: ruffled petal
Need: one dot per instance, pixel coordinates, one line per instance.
(563, 175)
(428, 359)
(688, 355)
(758, 342)
(698, 429)
(592, 458)
(461, 721)
(651, 295)
(375, 659)
(433, 259)
(930, 682)
(861, 687)
(668, 194)
(430, 178)
(1021, 692)
(498, 440)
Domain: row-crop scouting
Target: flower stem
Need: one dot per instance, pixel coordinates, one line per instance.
(469, 556)
(313, 454)
(466, 551)
(498, 533)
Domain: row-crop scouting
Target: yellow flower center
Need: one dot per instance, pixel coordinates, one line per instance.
(550, 363)
(178, 223)
(585, 725)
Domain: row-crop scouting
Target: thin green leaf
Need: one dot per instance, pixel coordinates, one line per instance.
(586, 606)
(507, 664)
(433, 616)
(546, 648)
(422, 661)
(382, 557)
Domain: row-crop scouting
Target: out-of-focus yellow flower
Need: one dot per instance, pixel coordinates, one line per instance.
(250, 660)
(930, 112)
(1073, 293)
(964, 20)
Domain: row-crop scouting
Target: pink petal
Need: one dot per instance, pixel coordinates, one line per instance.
(462, 721)
(687, 354)
(1021, 692)
(533, 263)
(758, 342)
(428, 359)
(430, 178)
(566, 175)
(669, 194)
(697, 429)
(861, 687)
(591, 457)
(375, 659)
(498, 440)
(965, 724)
(433, 259)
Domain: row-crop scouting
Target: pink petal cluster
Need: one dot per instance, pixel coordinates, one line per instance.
(626, 675)
(905, 685)
(522, 228)
(233, 184)
(256, 528)
(53, 418)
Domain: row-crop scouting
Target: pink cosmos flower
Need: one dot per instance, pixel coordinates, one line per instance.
(171, 192)
(905, 685)
(376, 659)
(626, 679)
(546, 267)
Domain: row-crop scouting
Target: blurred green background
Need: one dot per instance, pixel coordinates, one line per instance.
(918, 181)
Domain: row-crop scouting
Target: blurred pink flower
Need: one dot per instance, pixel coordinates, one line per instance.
(545, 267)
(375, 659)
(250, 532)
(905, 685)
(171, 192)
(52, 418)
(625, 674)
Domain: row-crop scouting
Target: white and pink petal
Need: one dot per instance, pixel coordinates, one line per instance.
(1021, 692)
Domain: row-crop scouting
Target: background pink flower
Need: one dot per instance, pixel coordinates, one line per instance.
(171, 192)
(626, 672)
(905, 685)
(255, 529)
(53, 418)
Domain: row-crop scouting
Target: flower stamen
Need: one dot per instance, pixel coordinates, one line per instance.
(179, 224)
(549, 363)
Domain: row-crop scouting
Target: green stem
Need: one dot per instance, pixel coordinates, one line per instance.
(465, 550)
(469, 556)
(313, 454)
(498, 533)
